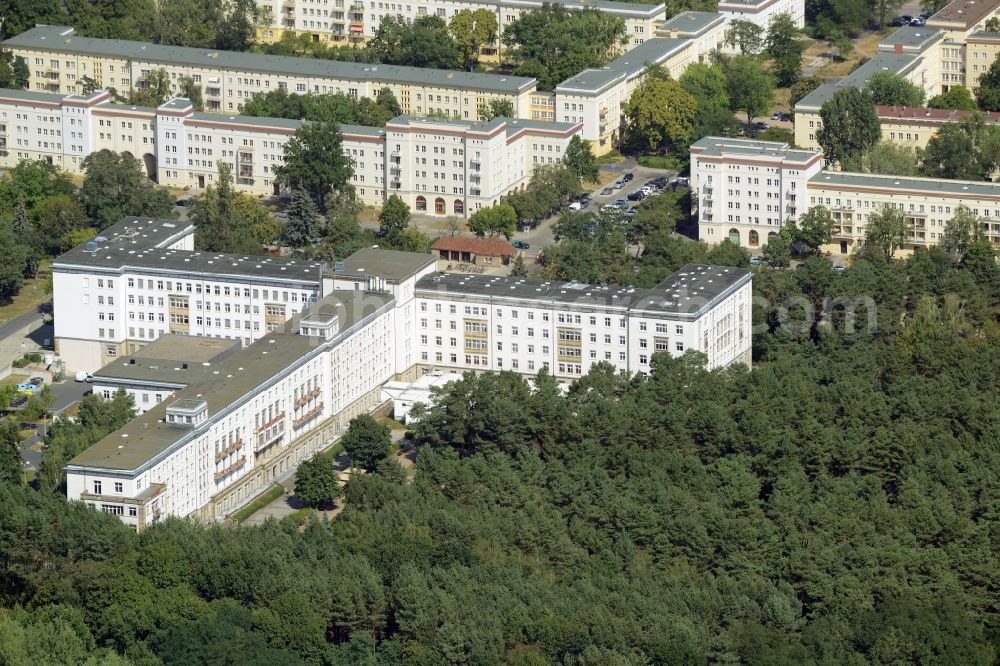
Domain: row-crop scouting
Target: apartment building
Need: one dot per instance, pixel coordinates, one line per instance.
(762, 12)
(225, 413)
(356, 22)
(927, 203)
(913, 127)
(59, 59)
(746, 190)
(795, 178)
(472, 164)
(596, 98)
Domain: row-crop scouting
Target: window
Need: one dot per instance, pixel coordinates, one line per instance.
(119, 487)
(97, 487)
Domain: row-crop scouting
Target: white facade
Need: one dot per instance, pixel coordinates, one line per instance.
(213, 437)
(734, 178)
(746, 190)
(349, 22)
(762, 12)
(442, 167)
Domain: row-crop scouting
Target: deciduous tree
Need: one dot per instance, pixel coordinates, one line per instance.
(580, 159)
(472, 30)
(750, 86)
(115, 186)
(966, 150)
(892, 89)
(785, 49)
(746, 36)
(496, 108)
(393, 221)
(814, 229)
(961, 231)
(191, 90)
(660, 113)
(366, 442)
(499, 220)
(315, 162)
(886, 230)
(850, 125)
(317, 483)
(957, 97)
(707, 84)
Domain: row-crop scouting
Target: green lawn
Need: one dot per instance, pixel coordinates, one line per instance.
(253, 507)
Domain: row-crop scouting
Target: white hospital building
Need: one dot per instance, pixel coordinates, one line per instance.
(288, 352)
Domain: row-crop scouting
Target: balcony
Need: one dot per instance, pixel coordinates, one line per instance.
(604, 112)
(395, 170)
(214, 92)
(306, 398)
(226, 471)
(232, 448)
(311, 414)
(246, 158)
(474, 178)
(277, 419)
(843, 231)
(290, 4)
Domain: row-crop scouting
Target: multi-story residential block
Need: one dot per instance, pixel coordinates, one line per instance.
(442, 167)
(59, 59)
(927, 204)
(215, 434)
(725, 171)
(913, 127)
(746, 190)
(762, 12)
(356, 22)
(597, 97)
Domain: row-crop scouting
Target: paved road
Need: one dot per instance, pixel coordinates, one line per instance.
(541, 236)
(17, 323)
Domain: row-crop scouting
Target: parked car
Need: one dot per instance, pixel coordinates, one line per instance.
(917, 23)
(520, 244)
(84, 376)
(629, 214)
(618, 185)
(576, 205)
(606, 191)
(627, 178)
(840, 269)
(638, 195)
(776, 115)
(620, 203)
(905, 19)
(756, 261)
(584, 202)
(36, 381)
(761, 126)
(281, 214)
(18, 400)
(897, 22)
(787, 117)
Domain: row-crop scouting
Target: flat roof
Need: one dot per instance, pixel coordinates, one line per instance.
(651, 52)
(170, 360)
(719, 146)
(144, 439)
(31, 96)
(966, 13)
(513, 125)
(818, 97)
(142, 244)
(985, 36)
(939, 186)
(390, 265)
(691, 23)
(882, 61)
(919, 113)
(912, 36)
(62, 39)
(609, 6)
(687, 293)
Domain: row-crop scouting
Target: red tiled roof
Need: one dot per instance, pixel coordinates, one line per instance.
(488, 247)
(930, 115)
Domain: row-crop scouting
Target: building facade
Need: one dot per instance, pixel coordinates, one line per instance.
(746, 190)
(216, 430)
(725, 172)
(762, 12)
(356, 22)
(441, 167)
(59, 59)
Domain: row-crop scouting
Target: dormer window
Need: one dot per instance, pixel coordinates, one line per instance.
(187, 413)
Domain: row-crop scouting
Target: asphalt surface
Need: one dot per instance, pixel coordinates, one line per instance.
(17, 323)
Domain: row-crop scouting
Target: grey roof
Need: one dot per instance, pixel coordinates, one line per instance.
(984, 34)
(882, 61)
(718, 146)
(609, 6)
(817, 97)
(691, 23)
(939, 186)
(146, 438)
(686, 294)
(910, 36)
(391, 265)
(140, 244)
(651, 52)
(173, 361)
(61, 39)
(281, 123)
(31, 96)
(513, 125)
